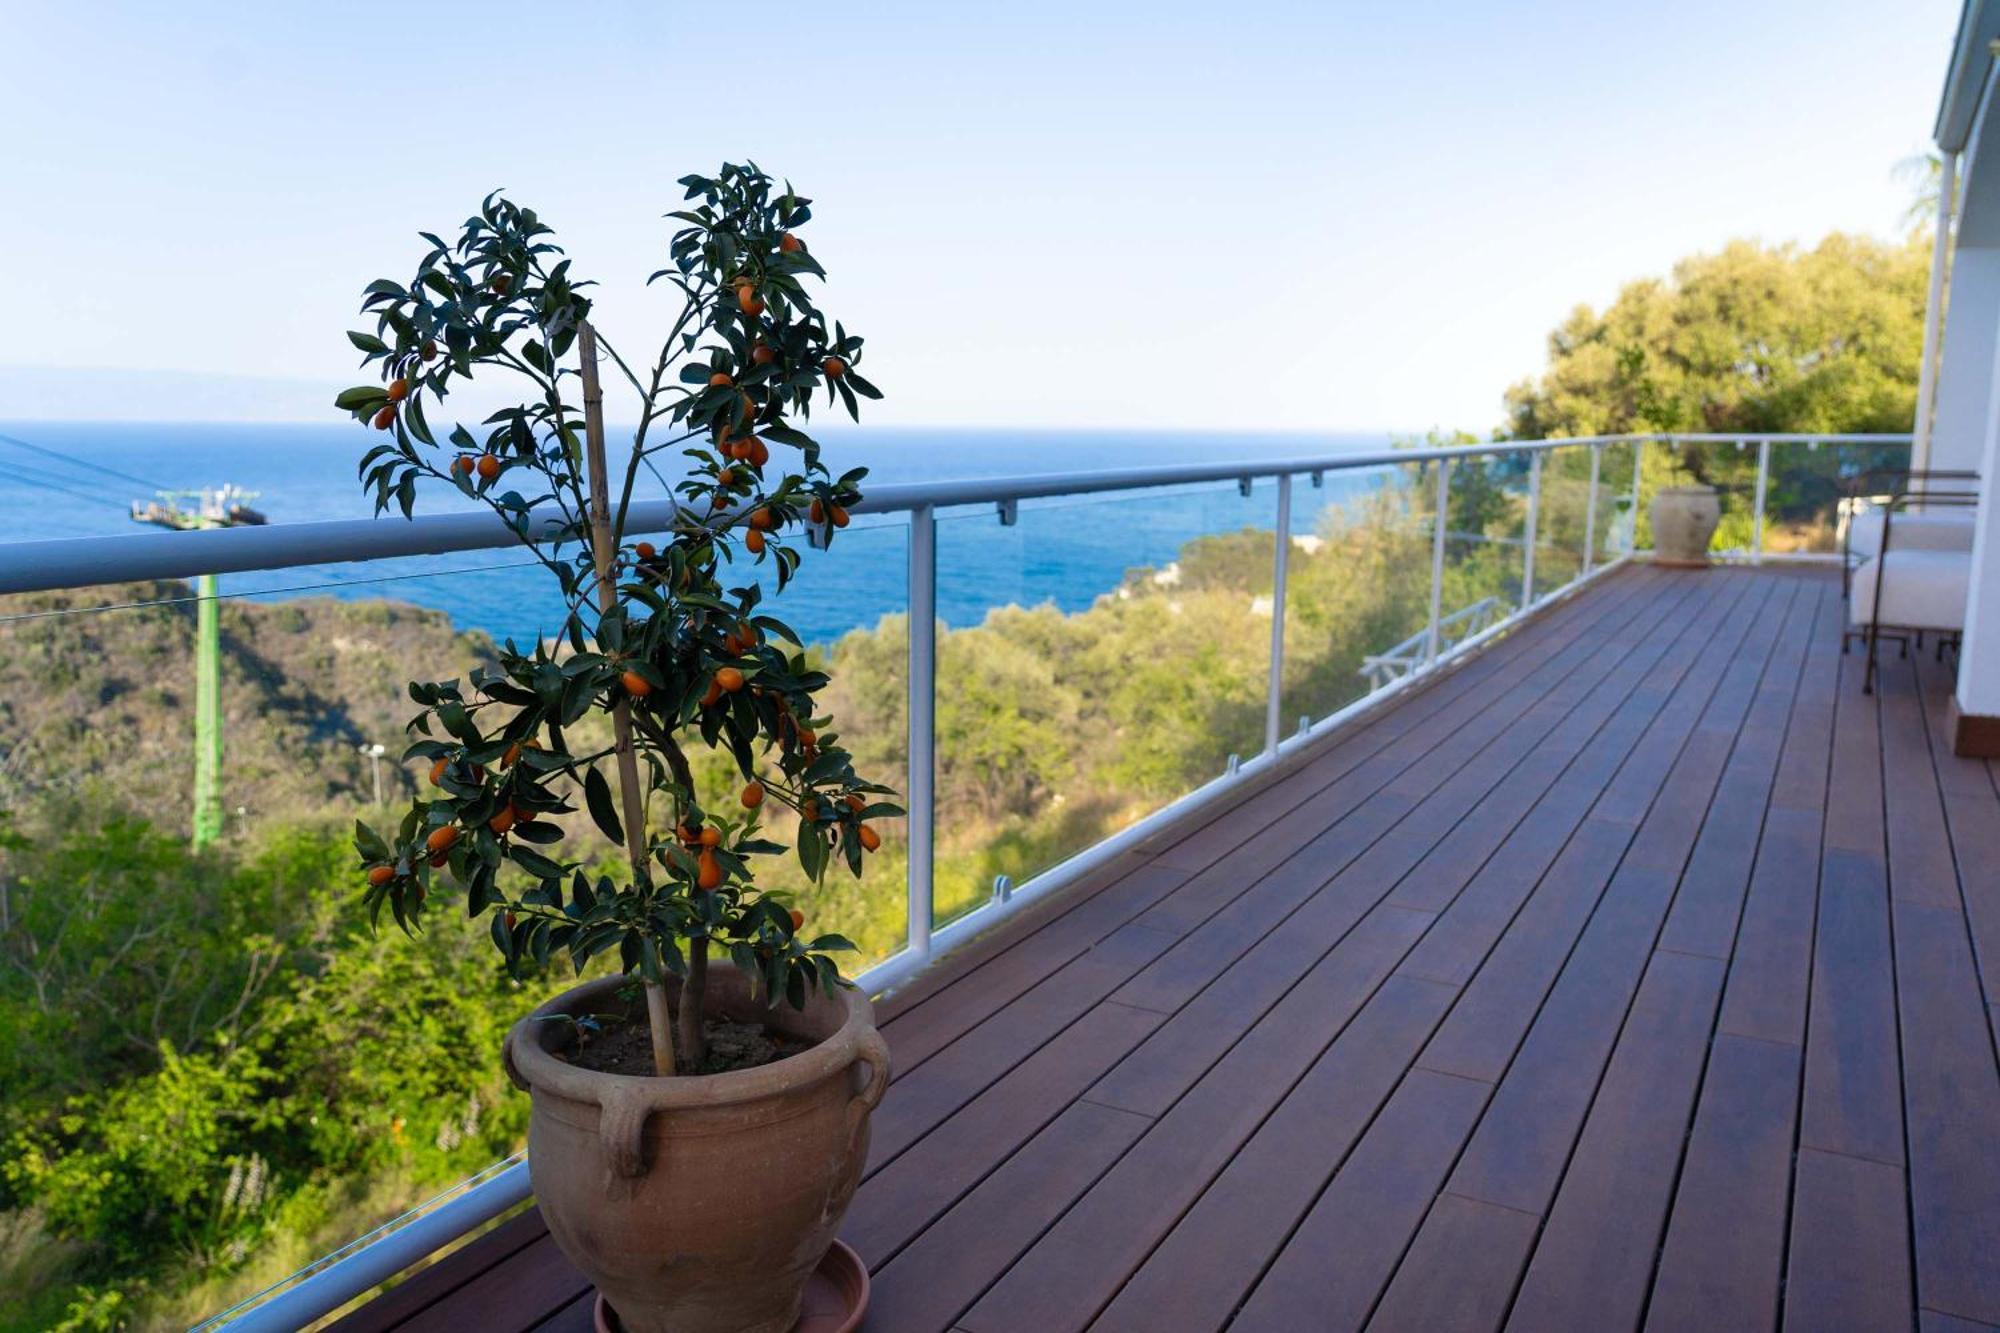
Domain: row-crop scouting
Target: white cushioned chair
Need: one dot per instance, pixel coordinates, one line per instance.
(1917, 586)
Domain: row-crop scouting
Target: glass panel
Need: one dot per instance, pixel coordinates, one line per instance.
(1560, 518)
(1487, 515)
(220, 1027)
(1357, 602)
(850, 603)
(1076, 696)
(1808, 481)
(1617, 515)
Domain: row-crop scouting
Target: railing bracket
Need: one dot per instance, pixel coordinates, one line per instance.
(1009, 511)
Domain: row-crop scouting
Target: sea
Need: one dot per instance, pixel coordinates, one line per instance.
(77, 480)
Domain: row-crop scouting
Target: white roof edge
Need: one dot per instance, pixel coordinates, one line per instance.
(1965, 77)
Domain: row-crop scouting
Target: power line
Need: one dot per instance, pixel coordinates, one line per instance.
(78, 462)
(17, 475)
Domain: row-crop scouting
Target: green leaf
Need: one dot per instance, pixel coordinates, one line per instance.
(597, 794)
(535, 863)
(367, 342)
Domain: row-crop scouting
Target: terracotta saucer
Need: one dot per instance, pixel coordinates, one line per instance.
(836, 1297)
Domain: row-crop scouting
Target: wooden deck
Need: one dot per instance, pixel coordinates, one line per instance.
(1642, 972)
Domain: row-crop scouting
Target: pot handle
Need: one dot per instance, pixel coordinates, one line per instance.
(870, 1086)
(621, 1128)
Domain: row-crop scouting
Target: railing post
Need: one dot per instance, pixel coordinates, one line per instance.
(1590, 512)
(1757, 509)
(922, 707)
(1281, 558)
(1638, 463)
(1440, 519)
(1528, 529)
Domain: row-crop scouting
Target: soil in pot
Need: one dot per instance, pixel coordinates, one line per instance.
(623, 1044)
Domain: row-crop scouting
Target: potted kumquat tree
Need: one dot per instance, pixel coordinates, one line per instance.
(697, 1186)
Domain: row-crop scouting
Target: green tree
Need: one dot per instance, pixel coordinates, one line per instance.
(1751, 340)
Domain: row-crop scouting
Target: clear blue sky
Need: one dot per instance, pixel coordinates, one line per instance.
(1357, 213)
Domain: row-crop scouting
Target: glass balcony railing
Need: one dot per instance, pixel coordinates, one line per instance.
(255, 1058)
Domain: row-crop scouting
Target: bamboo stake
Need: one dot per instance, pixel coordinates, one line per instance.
(603, 547)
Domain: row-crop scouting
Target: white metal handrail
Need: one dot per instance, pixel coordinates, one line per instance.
(84, 562)
(81, 562)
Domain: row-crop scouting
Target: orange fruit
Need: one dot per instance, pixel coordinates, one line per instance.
(798, 918)
(818, 511)
(789, 244)
(746, 298)
(719, 380)
(753, 542)
(437, 771)
(503, 821)
(808, 737)
(465, 463)
(710, 836)
(646, 550)
(713, 695)
(502, 284)
(762, 517)
(489, 467)
(839, 516)
(726, 477)
(635, 684)
(441, 840)
(762, 355)
(759, 455)
(809, 810)
(708, 870)
(399, 389)
(749, 408)
(385, 418)
(512, 757)
(834, 367)
(753, 795)
(430, 348)
(381, 875)
(855, 803)
(508, 920)
(870, 839)
(438, 862)
(729, 678)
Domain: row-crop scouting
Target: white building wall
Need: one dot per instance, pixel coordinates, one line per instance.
(1979, 654)
(1966, 367)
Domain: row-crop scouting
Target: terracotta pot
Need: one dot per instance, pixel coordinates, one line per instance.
(703, 1204)
(1684, 521)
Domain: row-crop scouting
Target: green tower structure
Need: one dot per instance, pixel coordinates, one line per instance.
(220, 507)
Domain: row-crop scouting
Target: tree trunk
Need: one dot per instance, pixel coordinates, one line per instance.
(603, 551)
